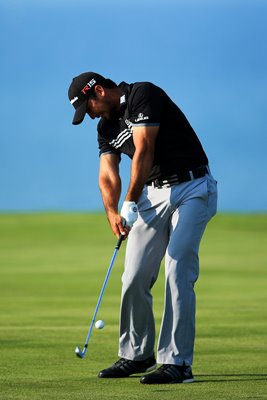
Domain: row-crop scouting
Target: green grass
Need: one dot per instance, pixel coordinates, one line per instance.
(51, 271)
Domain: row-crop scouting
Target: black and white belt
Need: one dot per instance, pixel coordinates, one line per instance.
(180, 177)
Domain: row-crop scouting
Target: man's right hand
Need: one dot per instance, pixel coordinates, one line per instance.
(118, 226)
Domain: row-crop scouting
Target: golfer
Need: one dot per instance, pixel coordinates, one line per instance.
(170, 199)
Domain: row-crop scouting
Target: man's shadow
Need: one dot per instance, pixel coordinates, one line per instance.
(201, 378)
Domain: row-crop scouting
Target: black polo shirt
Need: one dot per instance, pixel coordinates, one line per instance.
(177, 147)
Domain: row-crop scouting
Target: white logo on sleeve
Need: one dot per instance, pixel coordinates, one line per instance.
(141, 117)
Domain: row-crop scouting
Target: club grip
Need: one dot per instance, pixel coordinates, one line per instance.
(119, 242)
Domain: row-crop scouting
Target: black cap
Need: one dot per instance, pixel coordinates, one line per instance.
(81, 88)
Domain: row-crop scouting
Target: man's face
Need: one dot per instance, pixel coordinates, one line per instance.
(102, 106)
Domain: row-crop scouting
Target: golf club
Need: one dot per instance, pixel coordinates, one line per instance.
(78, 352)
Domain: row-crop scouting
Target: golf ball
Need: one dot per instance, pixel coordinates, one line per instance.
(99, 324)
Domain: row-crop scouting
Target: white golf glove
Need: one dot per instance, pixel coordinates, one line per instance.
(129, 212)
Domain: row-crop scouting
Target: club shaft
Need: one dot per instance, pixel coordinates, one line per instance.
(103, 289)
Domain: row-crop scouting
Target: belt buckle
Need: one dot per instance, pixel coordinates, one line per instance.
(157, 183)
(191, 174)
(163, 183)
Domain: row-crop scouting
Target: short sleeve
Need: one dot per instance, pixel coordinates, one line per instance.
(104, 146)
(146, 105)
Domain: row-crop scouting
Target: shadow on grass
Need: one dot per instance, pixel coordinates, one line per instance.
(230, 378)
(220, 378)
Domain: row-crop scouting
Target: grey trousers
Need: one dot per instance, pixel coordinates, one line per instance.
(171, 223)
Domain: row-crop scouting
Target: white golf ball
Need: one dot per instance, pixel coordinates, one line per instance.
(99, 324)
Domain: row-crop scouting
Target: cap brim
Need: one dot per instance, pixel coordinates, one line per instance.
(80, 114)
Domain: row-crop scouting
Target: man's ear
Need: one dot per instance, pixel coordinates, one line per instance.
(100, 91)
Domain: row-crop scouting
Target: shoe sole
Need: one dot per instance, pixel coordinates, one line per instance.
(150, 369)
(190, 380)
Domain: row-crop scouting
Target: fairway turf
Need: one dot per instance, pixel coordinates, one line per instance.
(52, 267)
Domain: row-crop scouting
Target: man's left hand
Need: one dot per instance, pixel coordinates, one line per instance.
(129, 212)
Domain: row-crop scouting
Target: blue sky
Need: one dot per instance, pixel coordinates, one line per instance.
(210, 57)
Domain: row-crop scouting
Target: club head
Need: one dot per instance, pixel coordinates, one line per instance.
(79, 353)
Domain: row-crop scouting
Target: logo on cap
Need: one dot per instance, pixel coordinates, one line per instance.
(74, 99)
(88, 86)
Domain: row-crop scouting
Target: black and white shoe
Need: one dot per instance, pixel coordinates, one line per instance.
(123, 368)
(169, 373)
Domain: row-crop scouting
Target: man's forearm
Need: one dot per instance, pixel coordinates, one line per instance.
(110, 187)
(110, 191)
(144, 138)
(141, 167)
